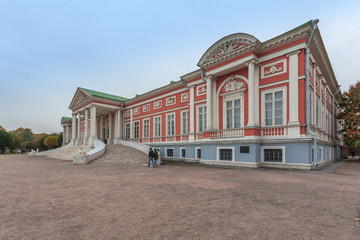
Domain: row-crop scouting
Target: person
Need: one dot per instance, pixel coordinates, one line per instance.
(353, 153)
(156, 156)
(151, 156)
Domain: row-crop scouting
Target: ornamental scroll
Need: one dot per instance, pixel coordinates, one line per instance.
(233, 84)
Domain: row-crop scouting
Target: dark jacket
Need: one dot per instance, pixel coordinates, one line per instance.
(151, 153)
(156, 155)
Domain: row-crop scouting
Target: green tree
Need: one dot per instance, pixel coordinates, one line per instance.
(51, 141)
(350, 115)
(16, 142)
(40, 143)
(5, 140)
(25, 134)
(60, 140)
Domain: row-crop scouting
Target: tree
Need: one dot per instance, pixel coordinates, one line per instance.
(51, 141)
(25, 134)
(40, 143)
(5, 140)
(60, 140)
(16, 142)
(350, 115)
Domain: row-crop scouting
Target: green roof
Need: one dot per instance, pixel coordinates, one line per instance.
(103, 95)
(300, 26)
(67, 119)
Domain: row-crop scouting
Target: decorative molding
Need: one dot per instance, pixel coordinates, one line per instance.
(146, 108)
(127, 113)
(185, 97)
(274, 68)
(170, 101)
(136, 110)
(201, 90)
(158, 104)
(233, 84)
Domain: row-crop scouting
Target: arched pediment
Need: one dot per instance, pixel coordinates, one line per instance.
(226, 46)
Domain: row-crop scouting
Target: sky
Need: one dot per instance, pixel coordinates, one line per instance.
(49, 48)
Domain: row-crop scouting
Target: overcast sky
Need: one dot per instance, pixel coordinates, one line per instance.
(49, 48)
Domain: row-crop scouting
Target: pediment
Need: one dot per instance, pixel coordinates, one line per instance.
(227, 47)
(79, 97)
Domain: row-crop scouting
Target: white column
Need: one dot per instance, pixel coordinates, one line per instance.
(73, 132)
(256, 96)
(209, 105)
(294, 124)
(131, 123)
(251, 92)
(121, 116)
(191, 115)
(101, 128)
(93, 126)
(86, 133)
(64, 134)
(116, 125)
(68, 137)
(79, 129)
(110, 129)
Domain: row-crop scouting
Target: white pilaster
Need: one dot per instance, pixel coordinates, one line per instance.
(101, 128)
(131, 123)
(64, 134)
(117, 127)
(191, 115)
(78, 139)
(86, 133)
(251, 93)
(256, 96)
(73, 132)
(209, 105)
(110, 140)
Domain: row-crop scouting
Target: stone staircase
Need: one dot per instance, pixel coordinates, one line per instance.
(68, 153)
(123, 154)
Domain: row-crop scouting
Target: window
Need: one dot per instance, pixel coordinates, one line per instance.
(182, 152)
(201, 118)
(170, 124)
(184, 122)
(136, 129)
(311, 108)
(127, 131)
(169, 152)
(317, 112)
(146, 128)
(233, 114)
(198, 153)
(274, 108)
(327, 122)
(273, 154)
(226, 154)
(244, 149)
(157, 126)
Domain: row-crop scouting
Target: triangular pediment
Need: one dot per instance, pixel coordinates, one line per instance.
(79, 98)
(227, 47)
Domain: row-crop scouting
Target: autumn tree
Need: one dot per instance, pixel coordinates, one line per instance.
(350, 115)
(51, 141)
(16, 142)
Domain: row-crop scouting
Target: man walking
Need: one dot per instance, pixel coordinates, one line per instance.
(151, 156)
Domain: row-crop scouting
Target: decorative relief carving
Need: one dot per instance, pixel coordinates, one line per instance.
(184, 97)
(127, 113)
(225, 48)
(157, 104)
(170, 101)
(81, 98)
(201, 90)
(136, 110)
(146, 108)
(273, 69)
(233, 84)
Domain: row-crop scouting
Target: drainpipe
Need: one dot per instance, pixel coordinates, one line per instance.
(307, 64)
(333, 123)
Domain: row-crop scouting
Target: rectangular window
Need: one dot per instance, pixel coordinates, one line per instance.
(182, 152)
(146, 128)
(184, 122)
(244, 149)
(169, 152)
(317, 112)
(137, 129)
(274, 108)
(233, 114)
(202, 118)
(170, 124)
(226, 154)
(198, 153)
(127, 131)
(157, 126)
(273, 155)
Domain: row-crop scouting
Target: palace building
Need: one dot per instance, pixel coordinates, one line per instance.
(249, 103)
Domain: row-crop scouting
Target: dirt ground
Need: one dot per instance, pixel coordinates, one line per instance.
(42, 198)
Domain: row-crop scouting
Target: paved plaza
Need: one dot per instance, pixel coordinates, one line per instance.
(42, 198)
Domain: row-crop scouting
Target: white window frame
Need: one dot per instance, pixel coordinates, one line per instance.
(231, 97)
(196, 150)
(127, 126)
(137, 121)
(181, 152)
(182, 122)
(166, 152)
(198, 118)
(218, 153)
(144, 128)
(154, 128)
(167, 124)
(273, 147)
(273, 90)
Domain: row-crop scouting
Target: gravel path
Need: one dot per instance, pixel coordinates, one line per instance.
(42, 198)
